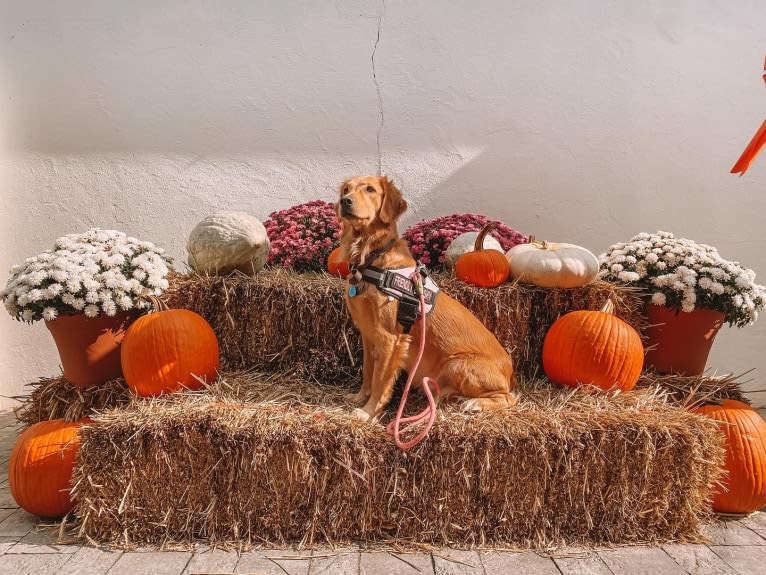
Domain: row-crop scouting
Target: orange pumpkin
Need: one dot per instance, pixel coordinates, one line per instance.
(484, 268)
(745, 484)
(167, 351)
(593, 347)
(40, 467)
(337, 265)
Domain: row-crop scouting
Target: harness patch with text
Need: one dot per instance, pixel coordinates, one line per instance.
(398, 284)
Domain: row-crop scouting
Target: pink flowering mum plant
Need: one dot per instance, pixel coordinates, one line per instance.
(303, 236)
(429, 239)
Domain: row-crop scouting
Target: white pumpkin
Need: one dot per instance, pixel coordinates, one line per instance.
(548, 264)
(465, 243)
(228, 241)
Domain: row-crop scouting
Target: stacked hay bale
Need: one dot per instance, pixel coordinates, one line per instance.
(298, 323)
(273, 458)
(263, 460)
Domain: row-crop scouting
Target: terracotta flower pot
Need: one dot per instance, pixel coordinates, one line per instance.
(679, 342)
(89, 348)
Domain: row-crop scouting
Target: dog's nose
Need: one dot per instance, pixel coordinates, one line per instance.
(346, 202)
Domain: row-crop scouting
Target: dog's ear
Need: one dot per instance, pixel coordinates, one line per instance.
(394, 204)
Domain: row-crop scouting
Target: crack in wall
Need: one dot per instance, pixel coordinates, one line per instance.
(377, 87)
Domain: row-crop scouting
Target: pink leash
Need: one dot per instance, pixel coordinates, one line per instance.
(428, 415)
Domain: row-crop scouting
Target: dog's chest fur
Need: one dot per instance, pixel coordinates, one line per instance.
(370, 308)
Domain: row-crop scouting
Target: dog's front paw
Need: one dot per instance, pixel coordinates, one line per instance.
(361, 414)
(470, 405)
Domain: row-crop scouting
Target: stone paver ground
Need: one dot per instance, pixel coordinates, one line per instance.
(737, 547)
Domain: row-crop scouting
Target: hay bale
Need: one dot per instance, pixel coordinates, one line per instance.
(283, 321)
(693, 390)
(263, 460)
(278, 320)
(55, 397)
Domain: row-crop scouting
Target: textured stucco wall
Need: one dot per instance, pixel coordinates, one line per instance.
(578, 121)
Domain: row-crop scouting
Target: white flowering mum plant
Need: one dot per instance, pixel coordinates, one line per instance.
(680, 273)
(93, 273)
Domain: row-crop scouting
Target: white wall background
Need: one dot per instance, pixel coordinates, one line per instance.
(582, 121)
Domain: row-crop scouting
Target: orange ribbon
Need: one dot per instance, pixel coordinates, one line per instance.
(755, 145)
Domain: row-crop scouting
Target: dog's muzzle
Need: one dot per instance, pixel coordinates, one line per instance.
(347, 207)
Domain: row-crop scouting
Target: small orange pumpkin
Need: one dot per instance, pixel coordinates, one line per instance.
(40, 467)
(168, 350)
(337, 265)
(745, 431)
(484, 268)
(593, 347)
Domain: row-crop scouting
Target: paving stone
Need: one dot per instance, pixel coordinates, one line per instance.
(90, 561)
(8, 419)
(8, 438)
(582, 564)
(746, 560)
(6, 543)
(6, 499)
(396, 564)
(32, 564)
(9, 424)
(7, 441)
(755, 521)
(274, 562)
(43, 541)
(500, 563)
(342, 562)
(212, 561)
(5, 513)
(18, 522)
(640, 561)
(731, 533)
(698, 560)
(457, 562)
(151, 563)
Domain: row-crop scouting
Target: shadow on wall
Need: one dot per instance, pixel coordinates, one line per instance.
(582, 191)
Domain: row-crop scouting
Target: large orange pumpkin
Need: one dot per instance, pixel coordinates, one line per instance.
(337, 264)
(40, 467)
(166, 351)
(745, 431)
(484, 268)
(593, 347)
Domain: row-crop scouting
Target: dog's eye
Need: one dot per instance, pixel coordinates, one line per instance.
(345, 190)
(370, 190)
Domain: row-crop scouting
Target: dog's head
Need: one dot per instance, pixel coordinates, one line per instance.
(370, 201)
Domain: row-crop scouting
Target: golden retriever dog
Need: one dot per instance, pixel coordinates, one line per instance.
(460, 353)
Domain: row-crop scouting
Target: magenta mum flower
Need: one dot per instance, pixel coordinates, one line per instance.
(303, 236)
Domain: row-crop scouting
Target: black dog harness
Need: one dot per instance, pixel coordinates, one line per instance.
(398, 284)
